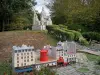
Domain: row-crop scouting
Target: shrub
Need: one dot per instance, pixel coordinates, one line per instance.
(69, 35)
(77, 27)
(91, 35)
(61, 32)
(83, 41)
(19, 23)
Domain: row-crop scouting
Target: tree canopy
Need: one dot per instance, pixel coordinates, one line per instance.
(81, 13)
(11, 8)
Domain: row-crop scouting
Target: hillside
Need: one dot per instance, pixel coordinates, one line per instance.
(34, 38)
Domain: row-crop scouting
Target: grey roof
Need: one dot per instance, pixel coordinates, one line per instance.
(22, 47)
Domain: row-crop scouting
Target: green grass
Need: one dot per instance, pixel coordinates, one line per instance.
(5, 68)
(84, 70)
(91, 57)
(51, 39)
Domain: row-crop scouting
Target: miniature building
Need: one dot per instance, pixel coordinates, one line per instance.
(43, 22)
(60, 51)
(51, 51)
(23, 56)
(67, 50)
(43, 55)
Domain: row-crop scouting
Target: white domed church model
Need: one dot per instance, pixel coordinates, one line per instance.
(43, 22)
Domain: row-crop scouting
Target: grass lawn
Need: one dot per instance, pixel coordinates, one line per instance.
(5, 68)
(91, 57)
(83, 70)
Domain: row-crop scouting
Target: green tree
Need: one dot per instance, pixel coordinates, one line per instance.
(9, 8)
(85, 13)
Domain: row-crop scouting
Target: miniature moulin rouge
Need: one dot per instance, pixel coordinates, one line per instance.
(25, 58)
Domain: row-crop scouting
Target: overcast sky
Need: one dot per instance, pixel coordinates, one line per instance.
(40, 4)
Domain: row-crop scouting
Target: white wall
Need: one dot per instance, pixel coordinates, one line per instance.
(21, 57)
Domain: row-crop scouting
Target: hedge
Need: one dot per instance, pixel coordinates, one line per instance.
(62, 33)
(91, 36)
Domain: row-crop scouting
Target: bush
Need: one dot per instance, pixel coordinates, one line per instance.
(83, 41)
(91, 36)
(69, 36)
(77, 34)
(61, 32)
(77, 27)
(19, 23)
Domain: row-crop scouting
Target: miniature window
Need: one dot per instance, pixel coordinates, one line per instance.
(19, 51)
(15, 51)
(31, 59)
(25, 50)
(27, 56)
(29, 49)
(31, 56)
(28, 60)
(32, 49)
(22, 50)
(24, 57)
(31, 52)
(17, 61)
(21, 57)
(25, 64)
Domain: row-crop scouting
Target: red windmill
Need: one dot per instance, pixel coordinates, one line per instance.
(43, 55)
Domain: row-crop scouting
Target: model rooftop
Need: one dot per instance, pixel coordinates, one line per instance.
(23, 47)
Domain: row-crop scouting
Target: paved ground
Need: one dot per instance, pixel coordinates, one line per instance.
(67, 71)
(91, 52)
(73, 68)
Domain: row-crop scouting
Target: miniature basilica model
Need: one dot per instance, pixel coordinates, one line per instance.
(25, 58)
(43, 22)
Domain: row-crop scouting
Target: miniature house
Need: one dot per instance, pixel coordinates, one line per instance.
(23, 56)
(67, 50)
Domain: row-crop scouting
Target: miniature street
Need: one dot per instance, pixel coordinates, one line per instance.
(73, 69)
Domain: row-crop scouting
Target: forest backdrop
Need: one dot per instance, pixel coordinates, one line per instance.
(15, 14)
(79, 15)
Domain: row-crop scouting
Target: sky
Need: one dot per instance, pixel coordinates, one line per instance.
(40, 4)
